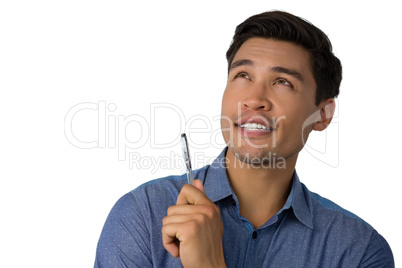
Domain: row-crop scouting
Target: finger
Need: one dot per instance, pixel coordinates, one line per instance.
(187, 210)
(198, 184)
(190, 194)
(175, 219)
(170, 242)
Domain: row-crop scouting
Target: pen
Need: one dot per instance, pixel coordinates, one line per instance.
(186, 155)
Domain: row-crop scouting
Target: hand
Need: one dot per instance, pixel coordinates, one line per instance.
(193, 229)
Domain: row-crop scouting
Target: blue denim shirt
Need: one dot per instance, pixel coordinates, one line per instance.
(309, 231)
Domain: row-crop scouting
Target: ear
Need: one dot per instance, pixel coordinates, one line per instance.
(326, 111)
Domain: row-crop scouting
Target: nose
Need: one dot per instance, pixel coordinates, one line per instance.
(257, 98)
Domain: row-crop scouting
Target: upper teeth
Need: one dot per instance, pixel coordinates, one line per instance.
(253, 126)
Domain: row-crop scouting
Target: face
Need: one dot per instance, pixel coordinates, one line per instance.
(269, 97)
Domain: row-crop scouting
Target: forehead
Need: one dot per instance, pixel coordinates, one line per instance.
(274, 52)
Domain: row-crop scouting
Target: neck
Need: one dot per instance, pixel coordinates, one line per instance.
(262, 190)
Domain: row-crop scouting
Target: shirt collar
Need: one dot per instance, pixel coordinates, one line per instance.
(216, 184)
(217, 187)
(297, 199)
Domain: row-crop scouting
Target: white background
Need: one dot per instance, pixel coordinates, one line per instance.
(55, 197)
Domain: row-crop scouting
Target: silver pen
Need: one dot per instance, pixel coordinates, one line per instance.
(186, 155)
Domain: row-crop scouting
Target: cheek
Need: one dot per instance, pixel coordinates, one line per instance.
(294, 119)
(228, 103)
(224, 100)
(225, 110)
(297, 125)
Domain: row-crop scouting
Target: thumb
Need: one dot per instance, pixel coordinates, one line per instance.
(198, 184)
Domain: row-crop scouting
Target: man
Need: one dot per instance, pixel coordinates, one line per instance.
(248, 208)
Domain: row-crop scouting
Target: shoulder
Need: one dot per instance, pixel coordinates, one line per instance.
(334, 223)
(325, 208)
(340, 227)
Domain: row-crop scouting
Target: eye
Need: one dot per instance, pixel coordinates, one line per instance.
(284, 82)
(242, 75)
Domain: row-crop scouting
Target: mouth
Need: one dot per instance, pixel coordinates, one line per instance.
(254, 128)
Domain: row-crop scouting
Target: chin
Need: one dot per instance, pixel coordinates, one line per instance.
(252, 155)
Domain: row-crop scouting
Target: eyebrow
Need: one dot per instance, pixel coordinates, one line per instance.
(295, 74)
(239, 63)
(275, 69)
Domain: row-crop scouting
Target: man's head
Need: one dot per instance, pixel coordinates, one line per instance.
(278, 25)
(282, 80)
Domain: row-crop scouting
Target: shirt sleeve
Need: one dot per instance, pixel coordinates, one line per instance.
(125, 239)
(378, 254)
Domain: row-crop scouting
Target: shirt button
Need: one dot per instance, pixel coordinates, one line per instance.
(254, 235)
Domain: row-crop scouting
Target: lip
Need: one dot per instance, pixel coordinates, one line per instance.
(255, 119)
(251, 133)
